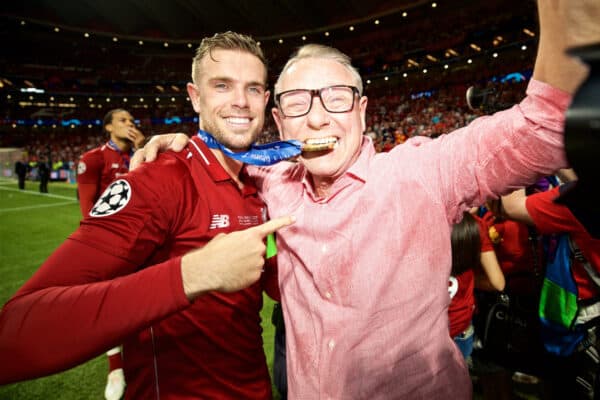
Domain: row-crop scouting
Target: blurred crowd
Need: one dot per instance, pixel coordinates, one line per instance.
(391, 120)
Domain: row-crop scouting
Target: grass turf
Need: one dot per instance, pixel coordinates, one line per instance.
(32, 226)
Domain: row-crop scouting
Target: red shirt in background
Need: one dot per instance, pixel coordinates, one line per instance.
(462, 305)
(514, 252)
(461, 289)
(96, 169)
(550, 217)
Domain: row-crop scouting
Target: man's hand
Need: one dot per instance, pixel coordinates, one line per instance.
(229, 262)
(583, 21)
(563, 25)
(136, 137)
(157, 144)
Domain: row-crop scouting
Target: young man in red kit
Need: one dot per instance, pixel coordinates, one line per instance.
(96, 169)
(366, 311)
(169, 262)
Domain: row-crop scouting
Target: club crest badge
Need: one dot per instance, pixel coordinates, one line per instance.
(115, 198)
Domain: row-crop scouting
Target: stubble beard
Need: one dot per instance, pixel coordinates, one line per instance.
(225, 137)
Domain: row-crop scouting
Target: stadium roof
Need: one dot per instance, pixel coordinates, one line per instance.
(192, 19)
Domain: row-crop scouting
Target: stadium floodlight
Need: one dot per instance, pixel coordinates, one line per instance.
(32, 90)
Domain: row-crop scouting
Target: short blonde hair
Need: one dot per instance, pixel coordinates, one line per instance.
(322, 52)
(226, 41)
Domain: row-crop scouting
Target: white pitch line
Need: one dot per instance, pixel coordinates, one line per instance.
(38, 206)
(55, 196)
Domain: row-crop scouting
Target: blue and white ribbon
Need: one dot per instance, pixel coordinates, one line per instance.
(263, 154)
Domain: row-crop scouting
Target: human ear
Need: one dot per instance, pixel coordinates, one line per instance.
(194, 96)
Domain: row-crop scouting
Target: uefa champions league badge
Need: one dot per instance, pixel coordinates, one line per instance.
(114, 199)
(81, 168)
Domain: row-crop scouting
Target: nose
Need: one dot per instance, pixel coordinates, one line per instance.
(240, 98)
(318, 116)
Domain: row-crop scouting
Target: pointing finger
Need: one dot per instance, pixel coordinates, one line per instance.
(273, 225)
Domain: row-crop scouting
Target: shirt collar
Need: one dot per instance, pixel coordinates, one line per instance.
(357, 171)
(360, 168)
(216, 171)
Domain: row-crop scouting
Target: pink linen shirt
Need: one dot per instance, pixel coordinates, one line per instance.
(364, 272)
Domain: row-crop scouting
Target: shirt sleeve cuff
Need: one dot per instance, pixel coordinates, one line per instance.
(559, 98)
(176, 281)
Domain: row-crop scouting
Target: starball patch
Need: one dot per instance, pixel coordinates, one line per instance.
(115, 198)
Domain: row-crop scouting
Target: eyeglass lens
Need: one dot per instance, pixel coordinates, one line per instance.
(335, 99)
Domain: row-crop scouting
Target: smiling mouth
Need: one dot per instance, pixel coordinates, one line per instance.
(238, 120)
(320, 144)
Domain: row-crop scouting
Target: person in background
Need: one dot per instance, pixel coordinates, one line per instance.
(96, 169)
(43, 167)
(21, 169)
(516, 248)
(490, 276)
(169, 262)
(577, 375)
(470, 249)
(100, 166)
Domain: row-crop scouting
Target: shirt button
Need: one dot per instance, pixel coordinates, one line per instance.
(324, 248)
(331, 344)
(328, 295)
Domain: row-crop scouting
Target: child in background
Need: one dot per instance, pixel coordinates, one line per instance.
(470, 248)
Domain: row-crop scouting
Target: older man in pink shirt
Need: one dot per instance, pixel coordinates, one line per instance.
(364, 270)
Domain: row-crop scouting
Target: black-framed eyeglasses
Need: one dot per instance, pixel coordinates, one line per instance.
(298, 102)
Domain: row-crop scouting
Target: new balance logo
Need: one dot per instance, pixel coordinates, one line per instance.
(219, 221)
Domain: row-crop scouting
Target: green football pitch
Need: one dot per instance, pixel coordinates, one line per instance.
(32, 225)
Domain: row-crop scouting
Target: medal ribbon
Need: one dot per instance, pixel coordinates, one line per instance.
(263, 154)
(125, 157)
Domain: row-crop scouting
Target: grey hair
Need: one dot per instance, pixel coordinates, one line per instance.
(322, 52)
